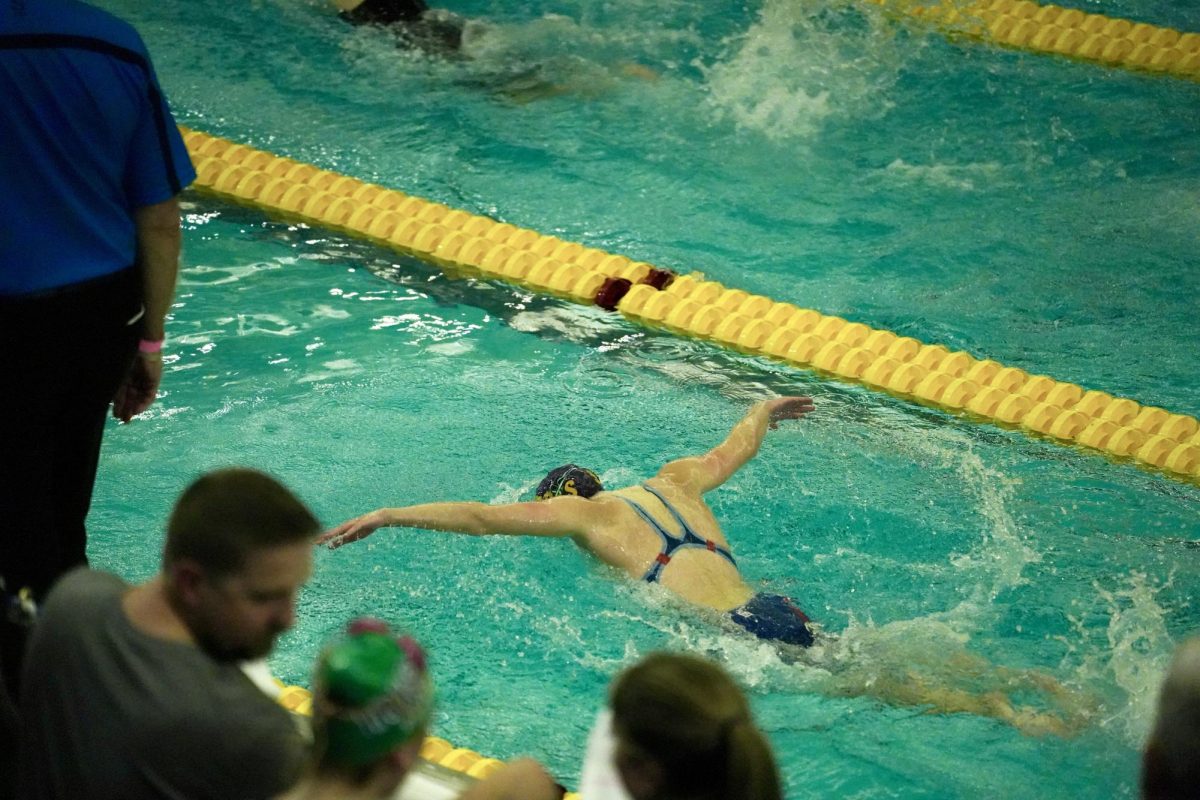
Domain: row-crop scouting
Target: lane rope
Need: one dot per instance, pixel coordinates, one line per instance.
(1055, 30)
(690, 305)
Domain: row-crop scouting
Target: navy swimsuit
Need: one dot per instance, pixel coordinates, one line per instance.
(775, 618)
(768, 616)
(672, 543)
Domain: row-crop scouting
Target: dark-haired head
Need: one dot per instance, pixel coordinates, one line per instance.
(569, 479)
(381, 12)
(1170, 767)
(684, 732)
(238, 550)
(224, 515)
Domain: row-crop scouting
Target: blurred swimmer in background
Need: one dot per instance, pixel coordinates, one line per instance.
(441, 34)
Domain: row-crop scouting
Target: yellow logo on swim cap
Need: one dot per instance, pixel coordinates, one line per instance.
(569, 488)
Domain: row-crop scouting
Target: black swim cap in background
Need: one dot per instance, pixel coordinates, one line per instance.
(569, 479)
(385, 12)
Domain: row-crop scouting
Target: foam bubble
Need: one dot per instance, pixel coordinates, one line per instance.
(455, 348)
(997, 559)
(949, 176)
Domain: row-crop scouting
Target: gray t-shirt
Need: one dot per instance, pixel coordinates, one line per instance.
(110, 712)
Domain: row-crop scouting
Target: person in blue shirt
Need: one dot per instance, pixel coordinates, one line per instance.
(91, 165)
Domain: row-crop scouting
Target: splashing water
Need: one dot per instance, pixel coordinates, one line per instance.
(801, 63)
(1002, 551)
(998, 558)
(1137, 655)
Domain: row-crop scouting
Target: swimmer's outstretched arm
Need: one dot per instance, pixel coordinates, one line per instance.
(560, 516)
(707, 472)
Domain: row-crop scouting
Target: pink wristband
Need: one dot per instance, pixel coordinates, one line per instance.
(150, 346)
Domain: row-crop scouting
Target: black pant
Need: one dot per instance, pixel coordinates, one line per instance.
(10, 737)
(62, 356)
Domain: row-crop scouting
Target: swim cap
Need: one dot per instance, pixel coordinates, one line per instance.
(372, 693)
(381, 12)
(569, 479)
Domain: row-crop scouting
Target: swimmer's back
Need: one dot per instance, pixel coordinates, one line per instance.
(625, 540)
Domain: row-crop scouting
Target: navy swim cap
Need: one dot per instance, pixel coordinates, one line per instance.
(569, 479)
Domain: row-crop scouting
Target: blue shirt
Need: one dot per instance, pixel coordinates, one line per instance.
(85, 139)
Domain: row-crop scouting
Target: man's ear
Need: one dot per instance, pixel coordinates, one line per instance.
(185, 579)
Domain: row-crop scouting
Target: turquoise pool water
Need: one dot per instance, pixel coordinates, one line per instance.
(1033, 210)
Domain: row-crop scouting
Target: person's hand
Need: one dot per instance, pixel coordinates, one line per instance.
(355, 529)
(782, 408)
(139, 387)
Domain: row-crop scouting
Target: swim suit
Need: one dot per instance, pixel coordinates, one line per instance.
(775, 618)
(672, 543)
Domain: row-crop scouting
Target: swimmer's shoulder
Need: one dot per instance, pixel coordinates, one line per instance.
(607, 510)
(608, 500)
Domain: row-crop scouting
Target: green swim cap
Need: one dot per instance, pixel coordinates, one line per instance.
(373, 693)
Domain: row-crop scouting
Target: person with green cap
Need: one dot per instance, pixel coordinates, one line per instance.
(372, 703)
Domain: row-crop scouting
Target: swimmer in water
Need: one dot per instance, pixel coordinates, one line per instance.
(442, 34)
(414, 23)
(662, 531)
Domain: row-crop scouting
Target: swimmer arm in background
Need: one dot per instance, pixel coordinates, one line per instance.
(559, 516)
(705, 473)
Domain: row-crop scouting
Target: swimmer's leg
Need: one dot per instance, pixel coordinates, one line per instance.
(914, 690)
(632, 69)
(1074, 706)
(522, 94)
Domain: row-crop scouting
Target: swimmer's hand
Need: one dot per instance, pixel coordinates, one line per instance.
(781, 408)
(355, 529)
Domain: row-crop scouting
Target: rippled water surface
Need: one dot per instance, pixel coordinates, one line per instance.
(1038, 211)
